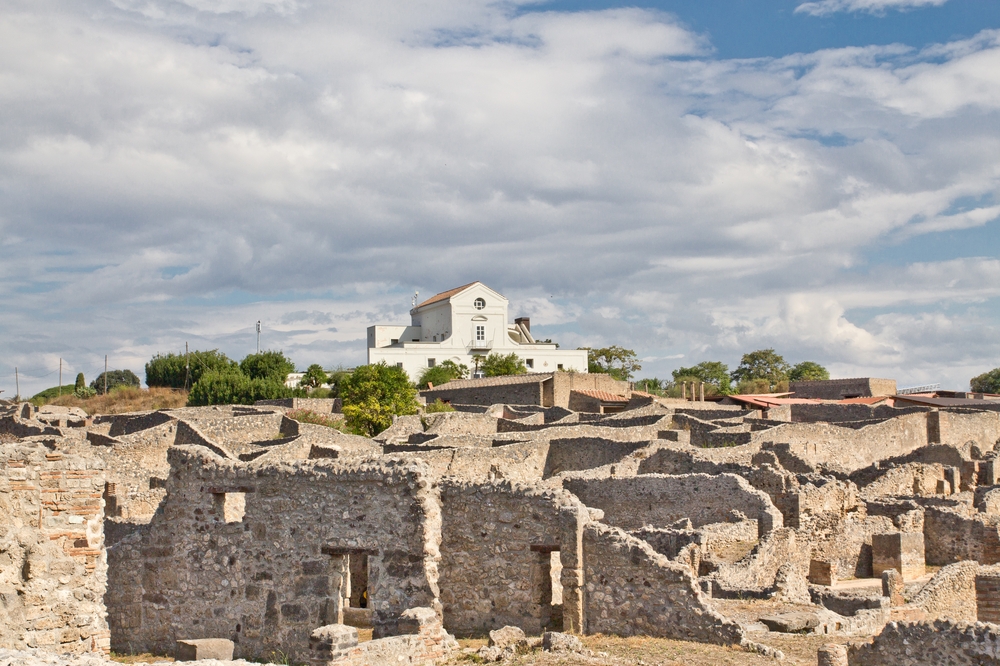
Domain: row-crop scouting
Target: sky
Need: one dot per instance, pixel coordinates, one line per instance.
(691, 180)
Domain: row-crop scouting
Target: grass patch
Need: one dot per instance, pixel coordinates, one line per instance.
(125, 399)
(309, 416)
(438, 406)
(145, 657)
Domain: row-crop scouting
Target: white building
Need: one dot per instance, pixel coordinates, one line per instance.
(459, 325)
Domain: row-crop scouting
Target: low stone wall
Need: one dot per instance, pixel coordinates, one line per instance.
(318, 405)
(950, 593)
(952, 536)
(52, 568)
(584, 453)
(758, 570)
(660, 500)
(630, 590)
(936, 643)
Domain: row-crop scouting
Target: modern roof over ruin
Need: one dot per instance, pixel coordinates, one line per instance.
(530, 378)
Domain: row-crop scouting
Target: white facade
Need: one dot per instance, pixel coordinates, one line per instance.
(459, 325)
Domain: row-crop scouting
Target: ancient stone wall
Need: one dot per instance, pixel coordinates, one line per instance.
(659, 500)
(496, 554)
(950, 593)
(53, 572)
(563, 383)
(524, 390)
(522, 461)
(929, 644)
(256, 553)
(838, 389)
(631, 590)
(583, 453)
(951, 535)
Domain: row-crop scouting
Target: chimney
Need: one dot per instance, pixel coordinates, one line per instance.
(524, 320)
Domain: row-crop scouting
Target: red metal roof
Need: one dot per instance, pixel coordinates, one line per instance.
(444, 295)
(603, 396)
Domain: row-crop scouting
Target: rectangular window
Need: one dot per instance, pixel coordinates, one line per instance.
(394, 341)
(559, 366)
(530, 362)
(399, 365)
(480, 333)
(430, 363)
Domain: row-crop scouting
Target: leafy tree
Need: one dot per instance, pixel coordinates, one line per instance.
(181, 371)
(116, 378)
(442, 373)
(267, 365)
(373, 394)
(651, 385)
(232, 387)
(314, 376)
(762, 364)
(80, 382)
(753, 386)
(808, 371)
(988, 382)
(496, 365)
(713, 373)
(336, 378)
(616, 361)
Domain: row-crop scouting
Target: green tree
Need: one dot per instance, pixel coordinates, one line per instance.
(115, 378)
(232, 387)
(80, 382)
(442, 373)
(808, 371)
(762, 364)
(267, 365)
(182, 371)
(616, 361)
(496, 365)
(988, 382)
(651, 385)
(336, 378)
(314, 376)
(713, 373)
(373, 394)
(753, 386)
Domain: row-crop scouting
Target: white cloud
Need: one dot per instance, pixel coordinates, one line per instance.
(825, 7)
(175, 171)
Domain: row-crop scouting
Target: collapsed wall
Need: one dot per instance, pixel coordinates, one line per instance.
(53, 572)
(259, 553)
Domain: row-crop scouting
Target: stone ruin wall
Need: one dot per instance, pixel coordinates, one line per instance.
(53, 571)
(496, 554)
(256, 553)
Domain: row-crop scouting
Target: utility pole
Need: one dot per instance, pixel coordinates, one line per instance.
(60, 376)
(187, 366)
(258, 336)
(105, 374)
(17, 385)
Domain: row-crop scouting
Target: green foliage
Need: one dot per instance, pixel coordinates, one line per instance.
(753, 386)
(651, 385)
(171, 370)
(713, 373)
(808, 371)
(309, 416)
(616, 361)
(48, 394)
(438, 406)
(84, 392)
(336, 379)
(232, 387)
(314, 376)
(497, 365)
(80, 382)
(373, 394)
(115, 378)
(988, 382)
(271, 365)
(442, 373)
(762, 364)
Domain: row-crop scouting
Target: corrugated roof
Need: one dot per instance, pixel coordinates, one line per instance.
(871, 400)
(444, 295)
(603, 396)
(537, 378)
(948, 402)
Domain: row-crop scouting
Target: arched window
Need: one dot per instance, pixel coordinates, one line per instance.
(479, 303)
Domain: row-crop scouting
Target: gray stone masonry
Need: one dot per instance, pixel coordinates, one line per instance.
(902, 551)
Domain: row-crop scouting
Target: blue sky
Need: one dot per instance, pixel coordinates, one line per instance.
(693, 180)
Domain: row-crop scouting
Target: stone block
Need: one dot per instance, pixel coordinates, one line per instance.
(988, 594)
(332, 642)
(902, 551)
(892, 587)
(197, 649)
(832, 654)
(555, 641)
(507, 637)
(822, 573)
(419, 620)
(791, 623)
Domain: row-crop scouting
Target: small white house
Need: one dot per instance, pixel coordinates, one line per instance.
(462, 324)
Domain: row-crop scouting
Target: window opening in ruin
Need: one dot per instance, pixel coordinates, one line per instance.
(549, 590)
(231, 507)
(358, 563)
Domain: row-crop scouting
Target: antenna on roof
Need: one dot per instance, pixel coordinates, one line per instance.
(415, 295)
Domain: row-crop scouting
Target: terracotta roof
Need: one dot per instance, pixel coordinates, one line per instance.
(643, 394)
(871, 400)
(603, 396)
(445, 295)
(533, 377)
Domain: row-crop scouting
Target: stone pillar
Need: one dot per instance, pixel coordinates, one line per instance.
(832, 654)
(571, 522)
(988, 594)
(684, 390)
(339, 578)
(953, 476)
(902, 551)
(892, 587)
(330, 643)
(701, 392)
(822, 573)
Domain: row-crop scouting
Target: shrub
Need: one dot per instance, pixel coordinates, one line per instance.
(309, 416)
(49, 394)
(172, 370)
(267, 365)
(753, 386)
(442, 374)
(84, 392)
(496, 365)
(373, 394)
(438, 406)
(232, 387)
(115, 378)
(80, 382)
(314, 376)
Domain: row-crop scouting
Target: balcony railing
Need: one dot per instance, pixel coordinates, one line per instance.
(481, 345)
